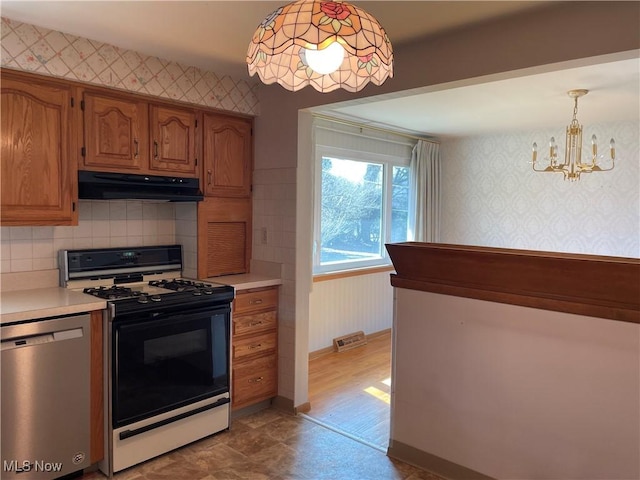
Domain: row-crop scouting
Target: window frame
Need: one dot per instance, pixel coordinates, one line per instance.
(388, 162)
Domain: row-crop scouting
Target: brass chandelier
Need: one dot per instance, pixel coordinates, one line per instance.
(572, 166)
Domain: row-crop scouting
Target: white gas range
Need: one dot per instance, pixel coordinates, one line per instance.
(167, 349)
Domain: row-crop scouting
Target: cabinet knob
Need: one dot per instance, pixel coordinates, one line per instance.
(155, 149)
(209, 177)
(256, 380)
(136, 150)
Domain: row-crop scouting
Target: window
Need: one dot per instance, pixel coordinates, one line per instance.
(362, 202)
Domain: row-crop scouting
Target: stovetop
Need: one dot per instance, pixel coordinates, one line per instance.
(155, 290)
(138, 279)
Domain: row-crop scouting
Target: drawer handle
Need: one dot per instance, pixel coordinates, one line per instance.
(255, 324)
(256, 380)
(256, 301)
(254, 346)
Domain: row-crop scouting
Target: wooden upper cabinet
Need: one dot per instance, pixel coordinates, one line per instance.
(115, 133)
(39, 148)
(128, 134)
(173, 140)
(227, 156)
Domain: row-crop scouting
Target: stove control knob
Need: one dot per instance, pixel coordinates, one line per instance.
(143, 299)
(155, 298)
(208, 291)
(197, 293)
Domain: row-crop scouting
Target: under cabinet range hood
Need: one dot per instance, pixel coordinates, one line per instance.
(121, 186)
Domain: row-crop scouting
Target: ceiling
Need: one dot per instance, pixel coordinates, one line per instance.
(523, 102)
(215, 35)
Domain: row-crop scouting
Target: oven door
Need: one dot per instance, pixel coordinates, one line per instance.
(161, 362)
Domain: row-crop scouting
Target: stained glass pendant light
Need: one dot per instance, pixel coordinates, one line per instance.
(327, 45)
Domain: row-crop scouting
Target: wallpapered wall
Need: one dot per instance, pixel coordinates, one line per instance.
(48, 52)
(491, 196)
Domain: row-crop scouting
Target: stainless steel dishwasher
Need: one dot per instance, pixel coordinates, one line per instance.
(45, 397)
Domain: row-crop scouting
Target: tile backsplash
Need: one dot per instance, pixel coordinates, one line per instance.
(114, 223)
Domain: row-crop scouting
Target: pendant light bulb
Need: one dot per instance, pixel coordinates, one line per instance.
(327, 60)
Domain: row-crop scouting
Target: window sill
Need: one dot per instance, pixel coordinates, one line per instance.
(321, 277)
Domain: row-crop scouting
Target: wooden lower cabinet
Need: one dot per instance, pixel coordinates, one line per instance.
(254, 358)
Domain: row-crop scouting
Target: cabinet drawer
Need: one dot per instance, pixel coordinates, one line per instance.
(254, 323)
(255, 380)
(254, 345)
(255, 300)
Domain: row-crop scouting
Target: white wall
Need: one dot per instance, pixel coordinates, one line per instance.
(514, 392)
(274, 209)
(491, 196)
(346, 305)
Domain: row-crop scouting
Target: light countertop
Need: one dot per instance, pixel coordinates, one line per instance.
(246, 281)
(30, 304)
(21, 305)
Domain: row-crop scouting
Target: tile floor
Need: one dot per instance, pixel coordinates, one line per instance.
(273, 445)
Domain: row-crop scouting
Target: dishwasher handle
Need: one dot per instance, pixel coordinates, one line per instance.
(40, 339)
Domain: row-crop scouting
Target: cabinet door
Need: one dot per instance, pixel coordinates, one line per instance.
(39, 166)
(116, 133)
(224, 236)
(227, 154)
(173, 141)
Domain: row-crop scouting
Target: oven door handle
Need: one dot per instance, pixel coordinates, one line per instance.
(167, 421)
(173, 318)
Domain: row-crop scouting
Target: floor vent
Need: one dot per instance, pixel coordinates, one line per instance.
(347, 342)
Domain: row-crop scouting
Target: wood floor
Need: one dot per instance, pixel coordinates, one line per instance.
(350, 390)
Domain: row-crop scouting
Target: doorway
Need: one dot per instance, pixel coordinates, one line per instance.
(350, 391)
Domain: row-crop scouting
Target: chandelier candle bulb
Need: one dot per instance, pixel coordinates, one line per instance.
(612, 147)
(553, 151)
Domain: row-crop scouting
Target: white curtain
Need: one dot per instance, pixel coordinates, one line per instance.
(424, 193)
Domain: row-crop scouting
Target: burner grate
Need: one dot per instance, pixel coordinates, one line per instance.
(111, 293)
(180, 285)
